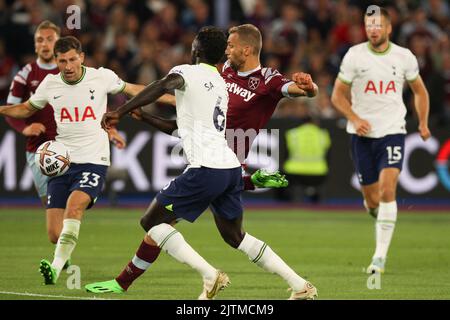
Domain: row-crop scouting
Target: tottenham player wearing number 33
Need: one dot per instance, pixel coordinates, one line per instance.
(374, 73)
(78, 95)
(212, 178)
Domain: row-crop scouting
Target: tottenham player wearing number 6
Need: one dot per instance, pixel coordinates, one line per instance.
(78, 95)
(212, 178)
(374, 73)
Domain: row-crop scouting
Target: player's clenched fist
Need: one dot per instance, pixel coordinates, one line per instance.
(110, 119)
(303, 81)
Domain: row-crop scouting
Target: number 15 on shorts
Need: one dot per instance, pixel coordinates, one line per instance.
(394, 154)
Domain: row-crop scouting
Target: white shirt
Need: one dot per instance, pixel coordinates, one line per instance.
(377, 81)
(202, 106)
(78, 110)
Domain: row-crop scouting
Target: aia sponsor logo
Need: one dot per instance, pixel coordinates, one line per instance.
(381, 87)
(76, 114)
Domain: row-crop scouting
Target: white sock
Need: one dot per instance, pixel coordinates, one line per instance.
(261, 254)
(384, 227)
(171, 241)
(66, 243)
(372, 211)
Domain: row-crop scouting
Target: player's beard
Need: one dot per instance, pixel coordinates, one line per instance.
(46, 59)
(381, 41)
(236, 65)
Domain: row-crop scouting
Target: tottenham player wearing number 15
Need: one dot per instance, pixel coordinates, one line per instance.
(374, 73)
(78, 95)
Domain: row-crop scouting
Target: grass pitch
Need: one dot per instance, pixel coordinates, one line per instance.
(330, 249)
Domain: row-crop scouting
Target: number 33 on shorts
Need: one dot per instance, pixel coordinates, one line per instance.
(89, 180)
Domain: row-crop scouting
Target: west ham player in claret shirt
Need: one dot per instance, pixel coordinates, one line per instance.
(254, 92)
(41, 126)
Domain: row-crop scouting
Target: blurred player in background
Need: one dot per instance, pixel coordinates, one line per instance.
(78, 95)
(368, 91)
(41, 126)
(212, 178)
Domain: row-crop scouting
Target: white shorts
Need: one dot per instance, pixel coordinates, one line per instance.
(40, 180)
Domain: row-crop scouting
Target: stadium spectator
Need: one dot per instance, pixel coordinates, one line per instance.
(8, 68)
(285, 33)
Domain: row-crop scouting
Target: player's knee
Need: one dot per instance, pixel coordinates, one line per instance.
(233, 239)
(74, 212)
(145, 223)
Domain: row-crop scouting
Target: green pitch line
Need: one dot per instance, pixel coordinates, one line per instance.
(327, 248)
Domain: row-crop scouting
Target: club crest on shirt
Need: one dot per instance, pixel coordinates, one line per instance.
(253, 83)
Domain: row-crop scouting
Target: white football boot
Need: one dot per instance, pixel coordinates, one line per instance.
(377, 266)
(212, 288)
(309, 292)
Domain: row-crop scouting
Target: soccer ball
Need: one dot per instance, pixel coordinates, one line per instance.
(52, 158)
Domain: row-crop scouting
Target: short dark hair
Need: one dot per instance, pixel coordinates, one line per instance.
(213, 43)
(383, 12)
(65, 44)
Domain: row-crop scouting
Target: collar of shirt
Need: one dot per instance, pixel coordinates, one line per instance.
(45, 66)
(213, 68)
(246, 73)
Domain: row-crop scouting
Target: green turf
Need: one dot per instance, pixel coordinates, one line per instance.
(328, 248)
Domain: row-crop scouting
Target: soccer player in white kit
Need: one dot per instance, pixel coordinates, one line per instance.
(78, 95)
(368, 91)
(212, 178)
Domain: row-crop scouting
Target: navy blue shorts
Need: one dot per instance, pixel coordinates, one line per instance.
(190, 194)
(85, 177)
(371, 155)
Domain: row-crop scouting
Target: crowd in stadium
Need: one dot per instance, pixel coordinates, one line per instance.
(142, 40)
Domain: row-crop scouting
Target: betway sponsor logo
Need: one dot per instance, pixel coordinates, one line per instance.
(237, 90)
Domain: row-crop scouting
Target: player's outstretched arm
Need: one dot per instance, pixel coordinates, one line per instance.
(133, 90)
(163, 125)
(149, 95)
(303, 86)
(341, 101)
(18, 111)
(422, 105)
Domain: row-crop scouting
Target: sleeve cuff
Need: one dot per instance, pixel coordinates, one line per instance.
(413, 78)
(13, 100)
(284, 89)
(35, 105)
(119, 90)
(344, 80)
